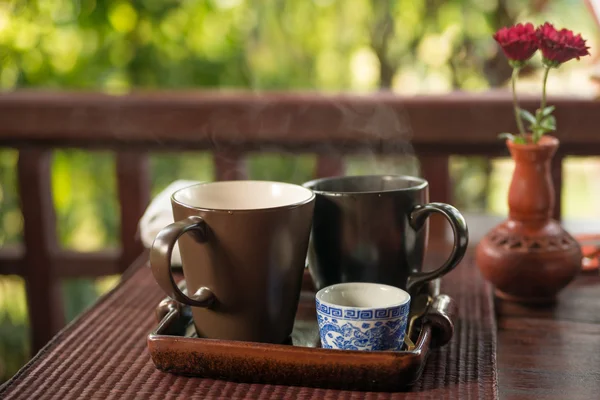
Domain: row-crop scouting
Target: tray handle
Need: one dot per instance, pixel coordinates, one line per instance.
(167, 304)
(441, 316)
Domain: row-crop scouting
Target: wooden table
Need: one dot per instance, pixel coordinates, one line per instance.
(550, 352)
(543, 353)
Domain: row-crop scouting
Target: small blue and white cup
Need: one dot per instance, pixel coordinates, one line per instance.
(362, 316)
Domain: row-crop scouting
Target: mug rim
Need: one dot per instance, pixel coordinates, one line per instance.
(421, 184)
(308, 200)
(335, 286)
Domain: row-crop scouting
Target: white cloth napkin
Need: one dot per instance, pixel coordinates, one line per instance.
(160, 214)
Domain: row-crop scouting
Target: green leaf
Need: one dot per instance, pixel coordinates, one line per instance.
(537, 129)
(547, 111)
(526, 115)
(549, 124)
(519, 140)
(551, 119)
(506, 135)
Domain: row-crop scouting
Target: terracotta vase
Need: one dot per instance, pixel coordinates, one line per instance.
(529, 257)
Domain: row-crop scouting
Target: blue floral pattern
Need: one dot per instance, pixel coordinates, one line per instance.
(381, 329)
(352, 313)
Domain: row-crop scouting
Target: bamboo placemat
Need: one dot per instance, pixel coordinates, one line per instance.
(103, 354)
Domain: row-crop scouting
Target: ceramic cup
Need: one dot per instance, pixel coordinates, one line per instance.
(243, 245)
(362, 316)
(374, 229)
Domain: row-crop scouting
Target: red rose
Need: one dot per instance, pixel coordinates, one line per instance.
(518, 42)
(559, 46)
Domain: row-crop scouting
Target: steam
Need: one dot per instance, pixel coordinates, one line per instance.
(372, 134)
(386, 138)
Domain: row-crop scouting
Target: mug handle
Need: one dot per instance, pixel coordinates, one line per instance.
(418, 216)
(160, 260)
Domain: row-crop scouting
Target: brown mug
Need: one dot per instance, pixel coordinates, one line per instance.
(243, 256)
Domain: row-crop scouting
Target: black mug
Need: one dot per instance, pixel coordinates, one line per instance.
(374, 228)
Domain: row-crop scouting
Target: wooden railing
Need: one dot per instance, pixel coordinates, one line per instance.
(231, 125)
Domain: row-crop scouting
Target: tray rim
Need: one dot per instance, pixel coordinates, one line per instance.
(286, 364)
(155, 339)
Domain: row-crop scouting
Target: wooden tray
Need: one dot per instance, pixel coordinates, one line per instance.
(175, 348)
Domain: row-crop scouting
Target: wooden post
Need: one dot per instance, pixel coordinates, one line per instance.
(44, 297)
(229, 165)
(329, 165)
(435, 169)
(133, 183)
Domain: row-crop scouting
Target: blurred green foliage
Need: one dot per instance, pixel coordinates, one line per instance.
(116, 45)
(408, 46)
